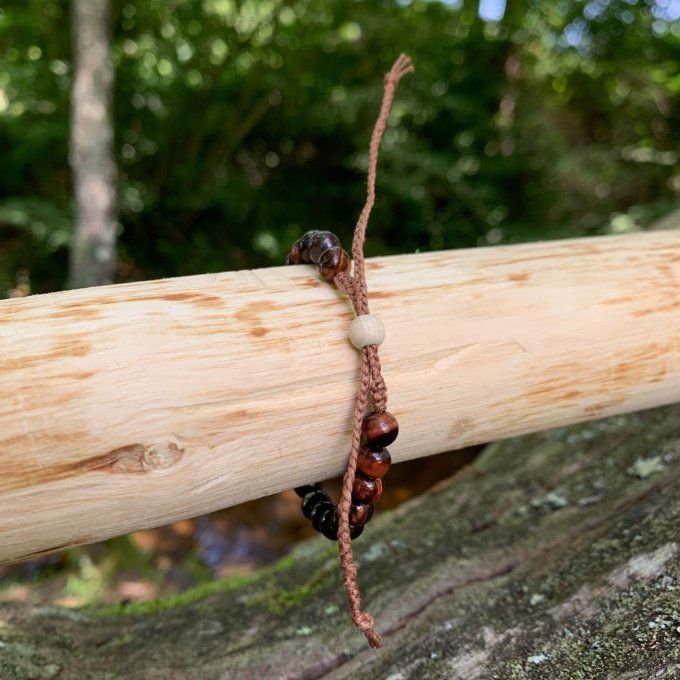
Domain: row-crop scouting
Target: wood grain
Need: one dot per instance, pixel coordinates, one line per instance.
(131, 406)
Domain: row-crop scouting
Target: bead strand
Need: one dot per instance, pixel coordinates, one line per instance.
(361, 484)
(379, 429)
(321, 248)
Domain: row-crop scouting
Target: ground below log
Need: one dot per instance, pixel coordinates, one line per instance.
(556, 555)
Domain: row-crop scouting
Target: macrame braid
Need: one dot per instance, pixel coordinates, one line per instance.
(333, 264)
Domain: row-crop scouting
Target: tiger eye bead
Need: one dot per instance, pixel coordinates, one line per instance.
(380, 429)
(293, 256)
(360, 514)
(366, 490)
(320, 242)
(374, 462)
(332, 261)
(312, 499)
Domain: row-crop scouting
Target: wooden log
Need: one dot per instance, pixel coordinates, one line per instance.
(555, 556)
(131, 406)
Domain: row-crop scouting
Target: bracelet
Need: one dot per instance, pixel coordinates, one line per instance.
(371, 432)
(378, 430)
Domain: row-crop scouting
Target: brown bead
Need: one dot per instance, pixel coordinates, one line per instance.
(355, 532)
(360, 514)
(293, 256)
(374, 462)
(366, 490)
(320, 242)
(332, 261)
(380, 429)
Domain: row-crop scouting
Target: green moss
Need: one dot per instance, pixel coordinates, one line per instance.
(170, 601)
(281, 598)
(278, 599)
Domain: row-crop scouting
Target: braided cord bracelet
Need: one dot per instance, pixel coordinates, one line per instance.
(371, 432)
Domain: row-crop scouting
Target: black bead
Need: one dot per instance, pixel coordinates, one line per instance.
(313, 498)
(303, 490)
(320, 513)
(303, 244)
(318, 510)
(320, 242)
(329, 524)
(355, 532)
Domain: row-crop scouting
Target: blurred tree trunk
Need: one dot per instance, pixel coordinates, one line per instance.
(93, 249)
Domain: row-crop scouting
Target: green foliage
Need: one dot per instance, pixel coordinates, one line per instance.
(241, 124)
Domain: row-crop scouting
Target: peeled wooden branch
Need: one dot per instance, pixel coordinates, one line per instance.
(136, 405)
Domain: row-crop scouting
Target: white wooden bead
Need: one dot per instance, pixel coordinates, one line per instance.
(366, 330)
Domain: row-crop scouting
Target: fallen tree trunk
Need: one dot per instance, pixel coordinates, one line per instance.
(131, 406)
(556, 555)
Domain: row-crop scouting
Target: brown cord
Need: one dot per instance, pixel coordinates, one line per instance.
(371, 377)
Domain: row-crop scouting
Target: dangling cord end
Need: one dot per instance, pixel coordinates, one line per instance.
(374, 639)
(400, 68)
(362, 620)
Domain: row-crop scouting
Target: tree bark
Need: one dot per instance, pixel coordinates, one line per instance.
(556, 555)
(93, 250)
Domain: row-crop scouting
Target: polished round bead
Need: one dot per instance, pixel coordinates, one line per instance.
(366, 329)
(373, 461)
(360, 514)
(366, 490)
(312, 499)
(329, 524)
(355, 532)
(320, 242)
(304, 243)
(320, 514)
(319, 509)
(332, 261)
(380, 429)
(303, 490)
(293, 256)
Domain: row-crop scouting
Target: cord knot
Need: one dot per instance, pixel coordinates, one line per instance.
(364, 622)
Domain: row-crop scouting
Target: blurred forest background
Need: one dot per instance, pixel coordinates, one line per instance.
(239, 124)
